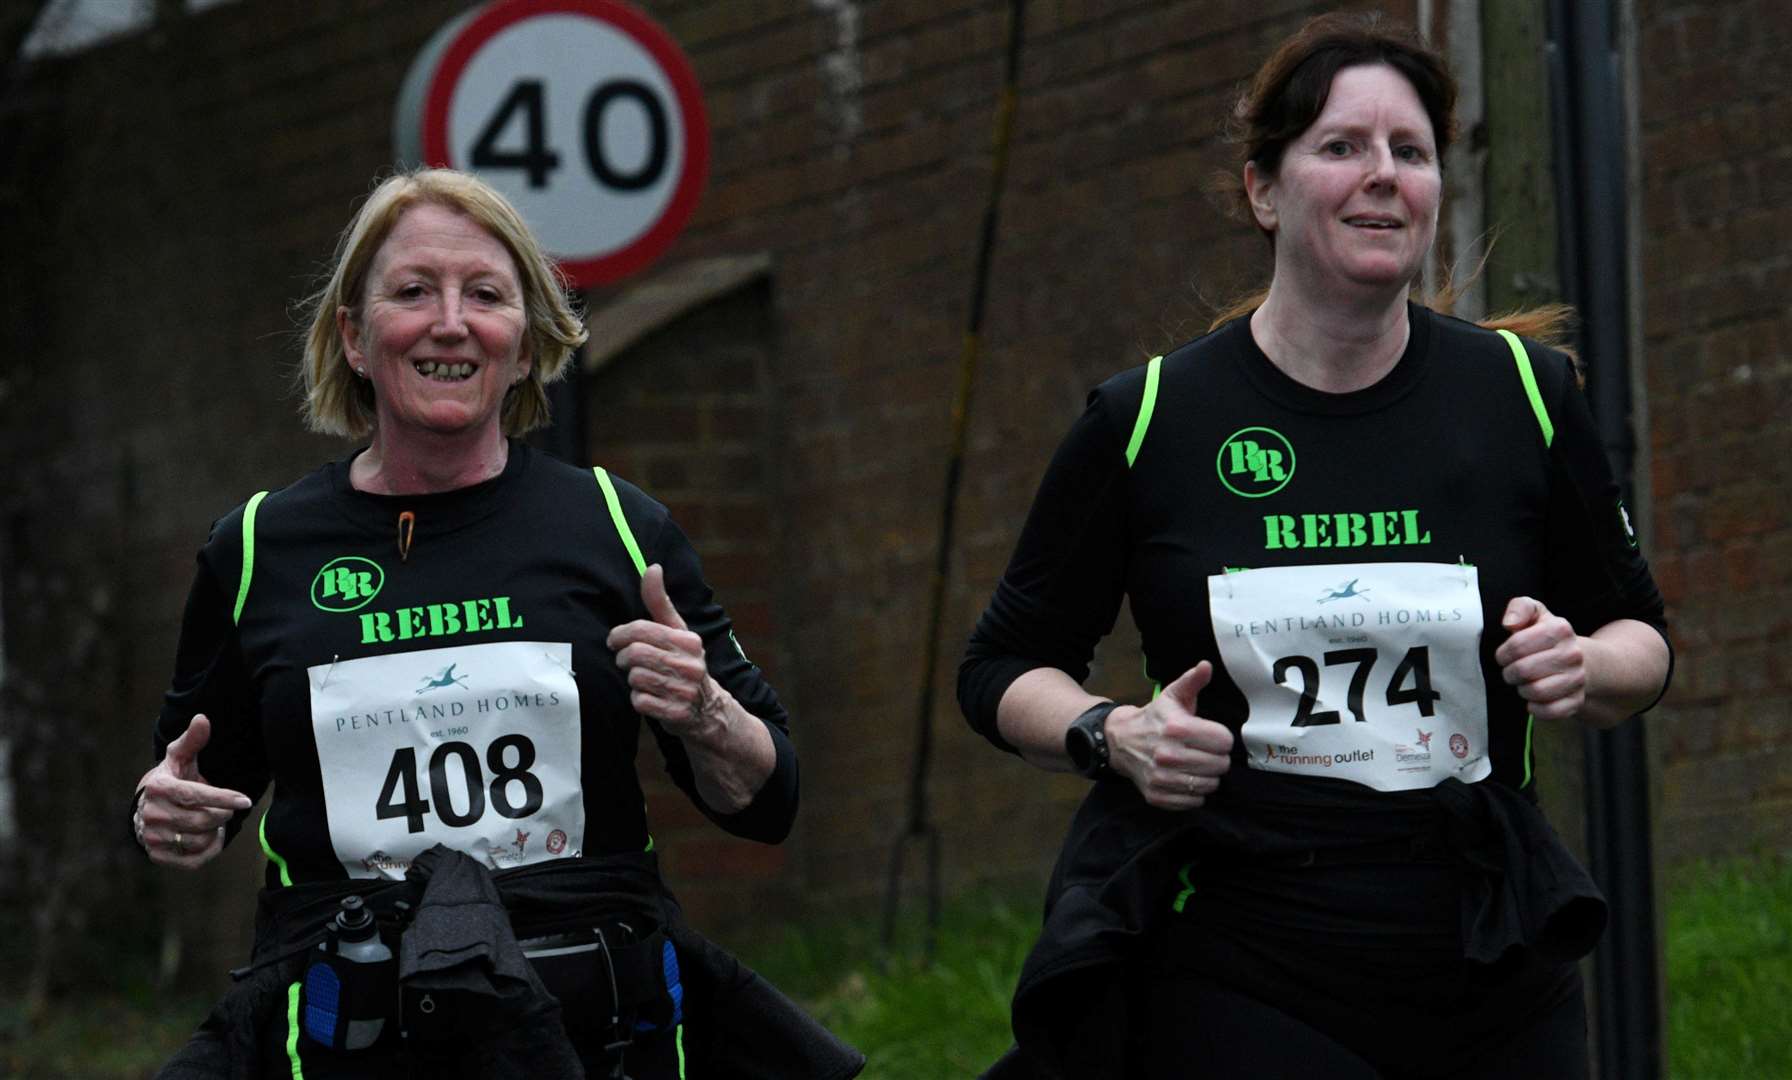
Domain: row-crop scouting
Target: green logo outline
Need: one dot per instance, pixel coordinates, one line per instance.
(1219, 461)
(344, 575)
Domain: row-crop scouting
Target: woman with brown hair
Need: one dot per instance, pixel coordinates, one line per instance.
(1367, 547)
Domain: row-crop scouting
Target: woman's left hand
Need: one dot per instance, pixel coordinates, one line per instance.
(1544, 658)
(668, 675)
(668, 679)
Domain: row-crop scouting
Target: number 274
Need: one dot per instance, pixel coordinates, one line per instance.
(1410, 684)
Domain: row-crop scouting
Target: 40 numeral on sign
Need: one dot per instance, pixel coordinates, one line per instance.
(525, 106)
(585, 114)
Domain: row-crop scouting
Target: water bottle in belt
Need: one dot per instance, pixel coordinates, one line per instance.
(348, 991)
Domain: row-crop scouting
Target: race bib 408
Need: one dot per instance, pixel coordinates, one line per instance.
(476, 747)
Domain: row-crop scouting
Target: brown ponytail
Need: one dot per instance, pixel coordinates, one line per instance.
(1546, 324)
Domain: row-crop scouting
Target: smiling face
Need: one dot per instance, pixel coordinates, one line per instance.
(440, 333)
(1353, 204)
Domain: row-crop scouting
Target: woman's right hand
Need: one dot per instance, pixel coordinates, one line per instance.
(180, 818)
(1174, 756)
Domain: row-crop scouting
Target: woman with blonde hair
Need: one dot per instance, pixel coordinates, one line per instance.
(441, 651)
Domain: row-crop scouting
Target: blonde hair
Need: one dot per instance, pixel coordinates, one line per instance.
(337, 403)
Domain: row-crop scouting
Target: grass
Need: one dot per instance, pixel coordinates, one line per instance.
(99, 1036)
(1728, 967)
(1729, 971)
(946, 1018)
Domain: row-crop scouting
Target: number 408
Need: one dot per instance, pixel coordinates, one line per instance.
(413, 807)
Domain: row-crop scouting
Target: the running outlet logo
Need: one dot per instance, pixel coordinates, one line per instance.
(1291, 757)
(1255, 461)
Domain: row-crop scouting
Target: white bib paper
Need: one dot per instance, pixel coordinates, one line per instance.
(1366, 671)
(475, 747)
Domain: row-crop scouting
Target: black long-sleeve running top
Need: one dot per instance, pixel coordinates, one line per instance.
(1344, 559)
(415, 669)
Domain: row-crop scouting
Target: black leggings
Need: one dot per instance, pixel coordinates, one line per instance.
(1348, 972)
(1196, 1028)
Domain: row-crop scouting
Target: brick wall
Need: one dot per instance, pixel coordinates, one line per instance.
(1107, 246)
(1716, 153)
(166, 198)
(687, 413)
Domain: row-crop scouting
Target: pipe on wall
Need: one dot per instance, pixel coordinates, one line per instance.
(1589, 125)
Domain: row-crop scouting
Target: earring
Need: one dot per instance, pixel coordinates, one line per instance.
(361, 371)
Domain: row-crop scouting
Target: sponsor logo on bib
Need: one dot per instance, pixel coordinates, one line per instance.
(379, 863)
(1255, 461)
(443, 678)
(1344, 592)
(1292, 757)
(347, 584)
(1414, 756)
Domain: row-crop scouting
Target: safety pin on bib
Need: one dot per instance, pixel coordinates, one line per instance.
(329, 671)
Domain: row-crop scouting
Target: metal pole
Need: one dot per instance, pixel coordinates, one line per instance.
(917, 824)
(1591, 196)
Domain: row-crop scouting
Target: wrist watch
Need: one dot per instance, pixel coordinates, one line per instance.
(1086, 741)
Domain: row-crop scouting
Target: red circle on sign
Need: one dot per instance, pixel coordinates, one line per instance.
(650, 244)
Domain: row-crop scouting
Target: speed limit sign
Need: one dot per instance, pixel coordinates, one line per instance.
(584, 113)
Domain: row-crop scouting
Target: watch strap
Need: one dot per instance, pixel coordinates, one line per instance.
(1086, 740)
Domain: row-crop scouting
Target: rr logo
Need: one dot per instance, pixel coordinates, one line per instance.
(1263, 465)
(1255, 461)
(346, 583)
